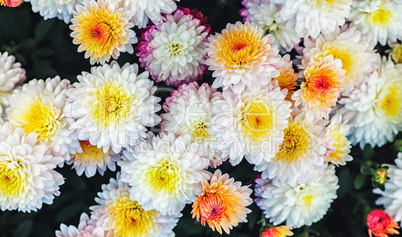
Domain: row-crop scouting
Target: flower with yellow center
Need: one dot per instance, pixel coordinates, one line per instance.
(165, 173)
(251, 124)
(302, 203)
(381, 20)
(336, 134)
(301, 154)
(396, 52)
(112, 105)
(287, 78)
(349, 45)
(121, 216)
(39, 107)
(27, 175)
(92, 159)
(241, 56)
(277, 231)
(222, 203)
(374, 110)
(102, 29)
(322, 87)
(189, 111)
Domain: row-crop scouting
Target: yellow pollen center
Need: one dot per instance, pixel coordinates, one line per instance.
(42, 119)
(295, 144)
(391, 104)
(342, 53)
(176, 49)
(382, 16)
(164, 177)
(307, 200)
(112, 105)
(11, 181)
(200, 131)
(130, 218)
(90, 154)
(257, 120)
(396, 54)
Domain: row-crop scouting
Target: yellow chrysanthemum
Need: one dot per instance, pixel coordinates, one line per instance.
(322, 86)
(396, 53)
(222, 203)
(101, 28)
(277, 231)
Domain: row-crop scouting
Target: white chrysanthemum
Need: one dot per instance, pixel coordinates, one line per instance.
(86, 228)
(145, 10)
(338, 146)
(266, 15)
(174, 50)
(165, 173)
(39, 106)
(11, 74)
(301, 155)
(121, 216)
(349, 45)
(380, 20)
(374, 111)
(189, 111)
(93, 159)
(27, 175)
(48, 9)
(112, 105)
(299, 204)
(391, 197)
(242, 56)
(251, 124)
(310, 17)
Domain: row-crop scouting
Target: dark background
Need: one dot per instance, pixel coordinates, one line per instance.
(45, 49)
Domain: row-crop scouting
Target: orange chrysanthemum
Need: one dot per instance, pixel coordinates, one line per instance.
(380, 224)
(277, 231)
(323, 85)
(222, 204)
(287, 78)
(102, 30)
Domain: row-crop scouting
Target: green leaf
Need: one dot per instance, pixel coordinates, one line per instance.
(345, 178)
(368, 152)
(43, 29)
(359, 181)
(24, 229)
(366, 170)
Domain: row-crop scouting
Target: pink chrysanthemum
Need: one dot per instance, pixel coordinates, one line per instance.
(380, 224)
(10, 3)
(86, 227)
(173, 51)
(277, 231)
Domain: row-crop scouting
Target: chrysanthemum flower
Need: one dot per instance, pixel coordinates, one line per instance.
(11, 3)
(277, 231)
(380, 224)
(189, 111)
(287, 78)
(266, 15)
(48, 9)
(11, 74)
(251, 124)
(322, 87)
(102, 29)
(309, 18)
(336, 134)
(374, 111)
(93, 159)
(112, 105)
(173, 51)
(222, 203)
(390, 198)
(396, 52)
(121, 216)
(86, 227)
(39, 106)
(242, 56)
(299, 204)
(165, 173)
(27, 175)
(349, 45)
(145, 10)
(380, 20)
(301, 155)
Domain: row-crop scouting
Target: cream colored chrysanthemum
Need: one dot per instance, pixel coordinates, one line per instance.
(251, 124)
(121, 216)
(102, 29)
(27, 175)
(48, 9)
(39, 106)
(165, 173)
(340, 146)
(222, 203)
(242, 56)
(11, 74)
(112, 105)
